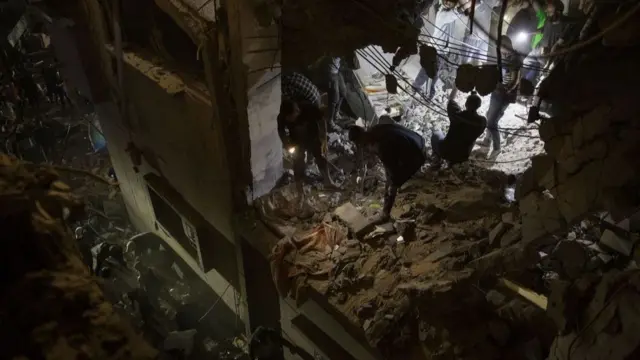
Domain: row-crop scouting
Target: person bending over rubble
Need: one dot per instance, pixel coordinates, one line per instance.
(401, 151)
(465, 128)
(300, 126)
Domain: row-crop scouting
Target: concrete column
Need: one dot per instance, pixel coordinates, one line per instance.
(266, 147)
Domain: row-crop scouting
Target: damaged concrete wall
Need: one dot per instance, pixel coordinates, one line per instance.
(260, 77)
(168, 129)
(266, 148)
(592, 143)
(172, 131)
(314, 28)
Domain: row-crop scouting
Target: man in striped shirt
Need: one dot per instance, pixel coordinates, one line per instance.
(504, 95)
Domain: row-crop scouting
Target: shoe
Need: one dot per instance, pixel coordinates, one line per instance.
(494, 154)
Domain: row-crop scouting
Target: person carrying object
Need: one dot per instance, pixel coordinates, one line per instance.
(401, 151)
(465, 128)
(301, 130)
(504, 95)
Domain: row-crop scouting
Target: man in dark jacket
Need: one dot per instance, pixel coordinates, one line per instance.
(465, 128)
(301, 127)
(401, 151)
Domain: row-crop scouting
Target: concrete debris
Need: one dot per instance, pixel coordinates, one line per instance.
(571, 258)
(354, 219)
(610, 317)
(499, 332)
(617, 243)
(512, 236)
(452, 232)
(495, 298)
(496, 234)
(406, 229)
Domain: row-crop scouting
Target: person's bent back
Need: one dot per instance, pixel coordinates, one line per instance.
(465, 128)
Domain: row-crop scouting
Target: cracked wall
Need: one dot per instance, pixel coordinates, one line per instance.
(592, 143)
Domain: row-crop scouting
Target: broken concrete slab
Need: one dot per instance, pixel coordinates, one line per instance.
(440, 253)
(512, 236)
(354, 219)
(508, 218)
(617, 243)
(499, 331)
(497, 232)
(572, 257)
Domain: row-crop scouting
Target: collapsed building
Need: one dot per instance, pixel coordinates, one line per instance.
(187, 93)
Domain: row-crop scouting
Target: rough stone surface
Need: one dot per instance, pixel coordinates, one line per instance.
(591, 142)
(314, 28)
(572, 258)
(496, 234)
(50, 306)
(608, 318)
(354, 219)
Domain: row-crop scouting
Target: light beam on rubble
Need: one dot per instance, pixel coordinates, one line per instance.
(292, 150)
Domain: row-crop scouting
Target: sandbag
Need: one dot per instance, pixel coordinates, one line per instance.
(466, 77)
(487, 78)
(429, 60)
(403, 52)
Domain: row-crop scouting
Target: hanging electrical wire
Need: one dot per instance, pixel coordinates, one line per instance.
(625, 17)
(462, 49)
(381, 64)
(367, 57)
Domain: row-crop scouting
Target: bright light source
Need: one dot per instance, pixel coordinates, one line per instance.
(522, 37)
(292, 150)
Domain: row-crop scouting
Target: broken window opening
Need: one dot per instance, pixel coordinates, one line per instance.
(173, 224)
(174, 43)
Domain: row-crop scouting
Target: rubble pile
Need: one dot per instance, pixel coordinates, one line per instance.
(46, 289)
(395, 278)
(591, 144)
(433, 280)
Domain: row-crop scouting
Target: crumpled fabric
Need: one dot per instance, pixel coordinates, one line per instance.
(294, 258)
(284, 203)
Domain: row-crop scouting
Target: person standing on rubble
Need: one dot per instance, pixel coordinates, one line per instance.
(301, 128)
(337, 91)
(504, 95)
(401, 151)
(466, 127)
(442, 34)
